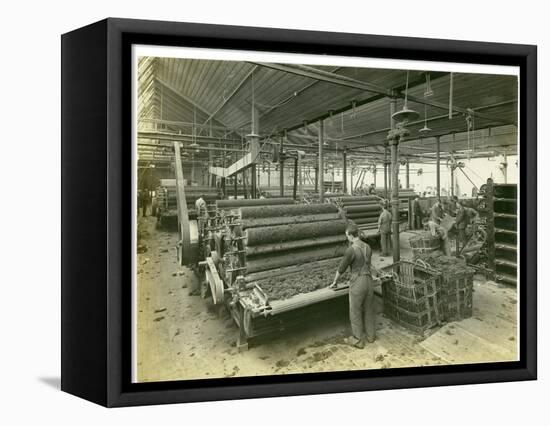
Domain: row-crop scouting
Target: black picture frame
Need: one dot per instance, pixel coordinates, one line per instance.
(96, 202)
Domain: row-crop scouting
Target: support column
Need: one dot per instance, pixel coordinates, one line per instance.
(235, 189)
(395, 199)
(253, 183)
(301, 176)
(393, 108)
(438, 166)
(320, 174)
(374, 175)
(452, 180)
(244, 183)
(223, 188)
(351, 180)
(316, 170)
(281, 169)
(193, 167)
(386, 170)
(253, 139)
(269, 176)
(211, 176)
(407, 175)
(345, 171)
(295, 176)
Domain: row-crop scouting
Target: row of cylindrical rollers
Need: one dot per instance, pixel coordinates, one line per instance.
(362, 209)
(281, 233)
(260, 250)
(287, 220)
(286, 210)
(294, 257)
(361, 203)
(243, 202)
(361, 221)
(363, 199)
(362, 215)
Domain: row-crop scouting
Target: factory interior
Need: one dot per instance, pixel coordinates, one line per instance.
(249, 175)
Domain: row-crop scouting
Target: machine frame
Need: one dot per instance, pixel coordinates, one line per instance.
(97, 249)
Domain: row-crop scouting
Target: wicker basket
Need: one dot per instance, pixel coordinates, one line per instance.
(456, 294)
(411, 296)
(455, 287)
(424, 243)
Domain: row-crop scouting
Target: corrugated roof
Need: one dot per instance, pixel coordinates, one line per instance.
(214, 98)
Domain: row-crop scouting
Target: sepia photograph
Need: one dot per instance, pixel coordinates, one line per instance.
(300, 214)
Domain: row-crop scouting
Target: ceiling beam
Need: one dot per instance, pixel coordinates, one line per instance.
(337, 79)
(439, 117)
(393, 93)
(195, 104)
(233, 93)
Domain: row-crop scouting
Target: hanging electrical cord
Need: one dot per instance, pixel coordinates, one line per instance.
(451, 88)
(405, 115)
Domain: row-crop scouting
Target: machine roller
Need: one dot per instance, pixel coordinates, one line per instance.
(271, 263)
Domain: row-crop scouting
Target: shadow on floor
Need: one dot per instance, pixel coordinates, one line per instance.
(54, 382)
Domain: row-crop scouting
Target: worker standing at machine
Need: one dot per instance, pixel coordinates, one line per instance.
(202, 212)
(384, 228)
(146, 200)
(461, 223)
(372, 189)
(139, 200)
(418, 213)
(464, 216)
(437, 212)
(438, 231)
(361, 288)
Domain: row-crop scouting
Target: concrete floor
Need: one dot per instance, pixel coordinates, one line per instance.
(180, 337)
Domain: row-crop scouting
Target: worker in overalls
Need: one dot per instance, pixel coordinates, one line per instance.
(384, 229)
(361, 289)
(418, 213)
(202, 212)
(461, 223)
(465, 216)
(437, 212)
(438, 231)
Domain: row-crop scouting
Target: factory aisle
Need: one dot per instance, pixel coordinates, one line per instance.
(181, 337)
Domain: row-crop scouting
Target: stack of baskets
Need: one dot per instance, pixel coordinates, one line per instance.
(420, 295)
(411, 296)
(455, 285)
